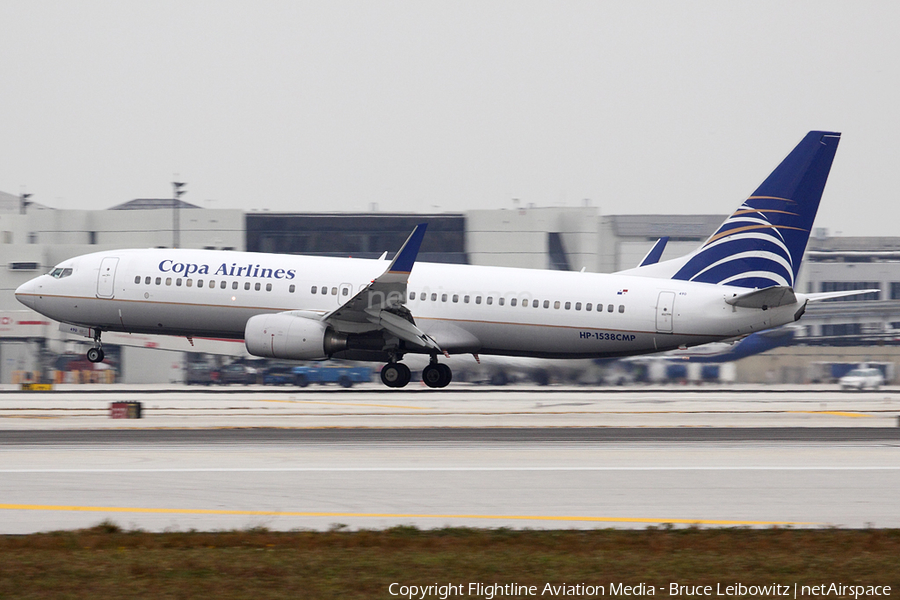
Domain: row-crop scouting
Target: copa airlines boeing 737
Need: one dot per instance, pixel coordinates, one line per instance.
(306, 308)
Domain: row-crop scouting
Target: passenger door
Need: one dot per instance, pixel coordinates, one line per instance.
(107, 277)
(664, 307)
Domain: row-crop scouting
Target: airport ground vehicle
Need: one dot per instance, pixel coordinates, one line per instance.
(862, 378)
(344, 376)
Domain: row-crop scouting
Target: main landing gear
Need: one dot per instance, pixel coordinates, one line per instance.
(397, 375)
(95, 354)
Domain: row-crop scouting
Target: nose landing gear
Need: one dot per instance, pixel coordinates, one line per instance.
(95, 354)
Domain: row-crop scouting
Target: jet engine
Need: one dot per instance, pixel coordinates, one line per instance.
(291, 337)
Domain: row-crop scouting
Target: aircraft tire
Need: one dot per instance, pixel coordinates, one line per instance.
(446, 375)
(95, 355)
(433, 376)
(395, 375)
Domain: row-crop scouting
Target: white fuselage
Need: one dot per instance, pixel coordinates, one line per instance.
(489, 310)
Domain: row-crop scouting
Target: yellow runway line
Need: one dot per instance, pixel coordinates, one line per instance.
(273, 513)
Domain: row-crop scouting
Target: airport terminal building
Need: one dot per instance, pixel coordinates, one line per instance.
(36, 237)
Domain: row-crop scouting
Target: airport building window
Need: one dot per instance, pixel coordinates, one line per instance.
(621, 308)
(292, 288)
(895, 290)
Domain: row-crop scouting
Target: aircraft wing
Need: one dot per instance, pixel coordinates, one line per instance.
(381, 304)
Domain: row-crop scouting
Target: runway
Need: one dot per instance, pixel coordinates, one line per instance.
(205, 471)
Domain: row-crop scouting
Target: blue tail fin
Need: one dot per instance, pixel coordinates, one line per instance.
(762, 243)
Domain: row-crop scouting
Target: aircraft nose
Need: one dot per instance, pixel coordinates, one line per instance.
(27, 293)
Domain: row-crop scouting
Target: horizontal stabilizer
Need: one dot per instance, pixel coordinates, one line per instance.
(818, 297)
(770, 297)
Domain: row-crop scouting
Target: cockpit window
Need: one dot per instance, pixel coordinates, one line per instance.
(59, 272)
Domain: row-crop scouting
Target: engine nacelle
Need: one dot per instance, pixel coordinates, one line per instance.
(291, 337)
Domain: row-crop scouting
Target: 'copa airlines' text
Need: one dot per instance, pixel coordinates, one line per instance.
(226, 270)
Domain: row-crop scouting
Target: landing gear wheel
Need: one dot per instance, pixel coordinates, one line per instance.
(395, 375)
(95, 355)
(437, 375)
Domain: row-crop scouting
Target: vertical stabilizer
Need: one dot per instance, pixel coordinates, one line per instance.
(762, 243)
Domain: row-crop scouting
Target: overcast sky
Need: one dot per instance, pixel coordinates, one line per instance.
(641, 107)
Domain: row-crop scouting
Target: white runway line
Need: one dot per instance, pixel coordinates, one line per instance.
(445, 469)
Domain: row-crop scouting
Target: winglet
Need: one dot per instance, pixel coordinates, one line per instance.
(655, 252)
(406, 257)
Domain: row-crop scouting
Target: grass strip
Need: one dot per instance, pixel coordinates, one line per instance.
(107, 562)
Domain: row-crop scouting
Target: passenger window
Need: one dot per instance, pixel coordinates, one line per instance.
(222, 284)
(234, 285)
(489, 300)
(578, 306)
(292, 288)
(324, 290)
(465, 299)
(412, 295)
(568, 305)
(456, 297)
(501, 300)
(588, 307)
(199, 283)
(556, 305)
(334, 291)
(189, 282)
(512, 301)
(621, 308)
(477, 299)
(546, 304)
(178, 282)
(146, 281)
(443, 297)
(256, 287)
(137, 279)
(246, 285)
(158, 280)
(609, 308)
(212, 284)
(536, 303)
(268, 287)
(434, 297)
(345, 291)
(314, 289)
(168, 281)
